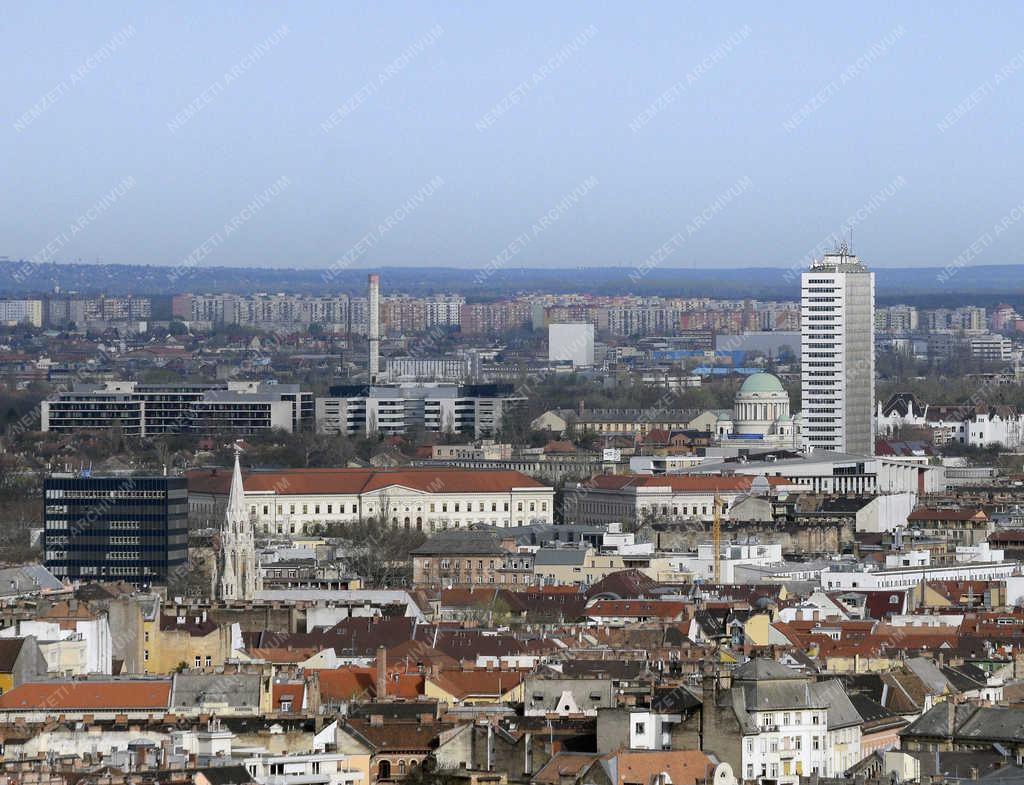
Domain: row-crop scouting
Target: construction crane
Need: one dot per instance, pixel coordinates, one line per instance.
(716, 537)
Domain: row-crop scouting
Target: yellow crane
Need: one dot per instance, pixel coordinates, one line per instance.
(716, 537)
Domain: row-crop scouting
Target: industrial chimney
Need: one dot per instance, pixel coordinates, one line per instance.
(374, 306)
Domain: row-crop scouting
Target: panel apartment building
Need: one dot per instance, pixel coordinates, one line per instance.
(150, 409)
(837, 354)
(397, 408)
(133, 529)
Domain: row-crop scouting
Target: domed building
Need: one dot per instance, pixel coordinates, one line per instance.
(760, 415)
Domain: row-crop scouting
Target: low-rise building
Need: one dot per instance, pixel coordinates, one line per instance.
(300, 501)
(142, 410)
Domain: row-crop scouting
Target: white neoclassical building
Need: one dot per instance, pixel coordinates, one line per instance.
(760, 416)
(300, 501)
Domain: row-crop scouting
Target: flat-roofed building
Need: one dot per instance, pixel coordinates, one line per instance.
(633, 498)
(133, 529)
(389, 409)
(150, 409)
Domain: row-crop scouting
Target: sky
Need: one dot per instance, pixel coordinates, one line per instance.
(537, 134)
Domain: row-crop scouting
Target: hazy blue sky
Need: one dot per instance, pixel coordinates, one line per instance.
(95, 93)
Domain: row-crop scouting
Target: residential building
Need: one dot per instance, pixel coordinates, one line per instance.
(776, 724)
(134, 699)
(573, 343)
(844, 577)
(478, 409)
(544, 696)
(461, 558)
(702, 563)
(837, 354)
(455, 369)
(143, 410)
(28, 312)
(328, 768)
(122, 528)
(956, 525)
(21, 660)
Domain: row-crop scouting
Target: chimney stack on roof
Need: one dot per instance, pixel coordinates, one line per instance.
(382, 673)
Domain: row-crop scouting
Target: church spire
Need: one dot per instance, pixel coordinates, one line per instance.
(236, 496)
(238, 568)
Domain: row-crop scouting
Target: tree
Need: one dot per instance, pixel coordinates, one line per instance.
(377, 552)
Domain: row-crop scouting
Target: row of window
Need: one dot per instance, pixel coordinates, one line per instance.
(432, 507)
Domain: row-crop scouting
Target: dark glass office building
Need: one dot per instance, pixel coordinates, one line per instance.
(133, 529)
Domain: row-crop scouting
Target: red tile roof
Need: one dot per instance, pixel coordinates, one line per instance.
(353, 481)
(286, 692)
(90, 695)
(477, 683)
(662, 609)
(684, 767)
(344, 684)
(957, 514)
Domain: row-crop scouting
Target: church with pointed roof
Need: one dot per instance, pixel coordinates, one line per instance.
(238, 575)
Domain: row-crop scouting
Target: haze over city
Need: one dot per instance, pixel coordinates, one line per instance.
(899, 119)
(421, 393)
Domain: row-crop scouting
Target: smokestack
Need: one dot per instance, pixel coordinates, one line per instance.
(382, 673)
(374, 306)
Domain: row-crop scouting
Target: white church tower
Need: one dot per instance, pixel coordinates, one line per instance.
(238, 575)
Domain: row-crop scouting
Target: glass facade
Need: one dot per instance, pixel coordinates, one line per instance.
(133, 529)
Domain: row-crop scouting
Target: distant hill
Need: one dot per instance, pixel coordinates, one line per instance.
(921, 285)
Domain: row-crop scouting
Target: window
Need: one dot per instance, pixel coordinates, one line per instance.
(209, 661)
(640, 729)
(305, 509)
(316, 510)
(815, 743)
(291, 509)
(198, 661)
(266, 509)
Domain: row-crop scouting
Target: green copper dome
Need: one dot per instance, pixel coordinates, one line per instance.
(761, 383)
